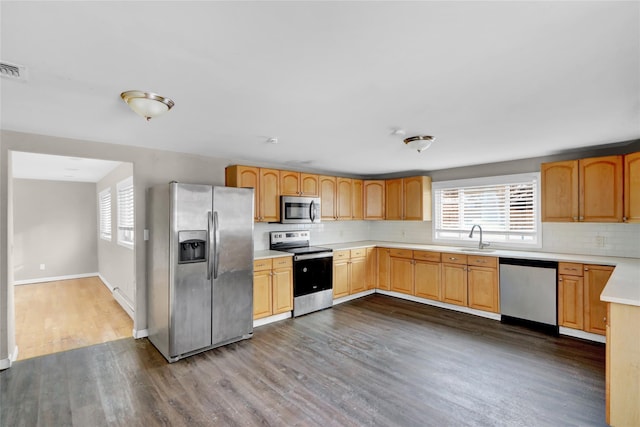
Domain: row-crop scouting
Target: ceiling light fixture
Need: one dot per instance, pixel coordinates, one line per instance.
(420, 142)
(273, 140)
(147, 104)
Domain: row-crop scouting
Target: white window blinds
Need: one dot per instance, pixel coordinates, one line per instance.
(125, 212)
(506, 208)
(104, 210)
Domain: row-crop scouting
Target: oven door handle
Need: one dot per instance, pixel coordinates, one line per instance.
(313, 256)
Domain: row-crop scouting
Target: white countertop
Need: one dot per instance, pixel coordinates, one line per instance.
(623, 286)
(270, 254)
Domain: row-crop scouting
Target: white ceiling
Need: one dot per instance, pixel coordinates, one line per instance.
(59, 168)
(492, 81)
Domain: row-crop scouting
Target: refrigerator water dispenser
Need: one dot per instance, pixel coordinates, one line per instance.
(192, 246)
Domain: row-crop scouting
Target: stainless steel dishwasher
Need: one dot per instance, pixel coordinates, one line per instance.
(528, 293)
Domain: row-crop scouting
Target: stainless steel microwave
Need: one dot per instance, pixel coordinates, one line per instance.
(299, 210)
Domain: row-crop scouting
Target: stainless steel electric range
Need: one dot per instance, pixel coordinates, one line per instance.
(312, 270)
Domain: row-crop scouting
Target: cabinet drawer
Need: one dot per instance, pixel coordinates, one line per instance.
(262, 264)
(482, 261)
(358, 253)
(570, 268)
(427, 256)
(454, 258)
(401, 253)
(282, 262)
(346, 254)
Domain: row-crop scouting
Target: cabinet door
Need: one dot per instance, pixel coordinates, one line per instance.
(328, 194)
(374, 199)
(372, 268)
(340, 278)
(393, 199)
(282, 290)
(483, 289)
(401, 273)
(269, 195)
(356, 199)
(358, 275)
(345, 198)
(454, 284)
(309, 185)
(601, 195)
(560, 191)
(571, 301)
(417, 198)
(262, 305)
(289, 183)
(246, 177)
(632, 187)
(427, 280)
(595, 311)
(383, 268)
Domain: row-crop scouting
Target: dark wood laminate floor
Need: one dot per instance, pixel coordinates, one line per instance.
(377, 361)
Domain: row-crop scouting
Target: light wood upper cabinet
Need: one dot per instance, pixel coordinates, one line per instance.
(298, 184)
(601, 193)
(408, 198)
(266, 185)
(310, 185)
(357, 210)
(632, 187)
(394, 199)
(374, 199)
(595, 311)
(328, 197)
(344, 199)
(559, 191)
(589, 190)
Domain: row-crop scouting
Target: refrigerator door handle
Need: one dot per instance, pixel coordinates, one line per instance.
(216, 258)
(210, 243)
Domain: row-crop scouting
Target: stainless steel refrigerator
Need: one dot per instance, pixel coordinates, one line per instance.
(199, 267)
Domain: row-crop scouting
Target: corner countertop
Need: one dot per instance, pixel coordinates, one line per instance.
(623, 286)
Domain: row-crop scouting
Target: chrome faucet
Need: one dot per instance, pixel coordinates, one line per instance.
(481, 244)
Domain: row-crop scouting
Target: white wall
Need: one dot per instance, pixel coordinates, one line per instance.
(116, 263)
(54, 225)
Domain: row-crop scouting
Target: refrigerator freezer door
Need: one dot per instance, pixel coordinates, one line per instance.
(233, 285)
(190, 293)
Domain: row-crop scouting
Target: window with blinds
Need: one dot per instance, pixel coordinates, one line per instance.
(125, 212)
(104, 211)
(506, 207)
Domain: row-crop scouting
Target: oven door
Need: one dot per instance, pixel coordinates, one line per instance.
(299, 210)
(312, 273)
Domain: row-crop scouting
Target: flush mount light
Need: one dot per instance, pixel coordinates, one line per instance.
(420, 142)
(147, 104)
(273, 140)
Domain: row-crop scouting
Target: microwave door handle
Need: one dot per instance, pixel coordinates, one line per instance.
(312, 211)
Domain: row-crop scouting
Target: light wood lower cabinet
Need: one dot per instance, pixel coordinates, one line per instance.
(401, 271)
(579, 289)
(384, 260)
(427, 280)
(349, 272)
(372, 268)
(471, 281)
(454, 284)
(272, 286)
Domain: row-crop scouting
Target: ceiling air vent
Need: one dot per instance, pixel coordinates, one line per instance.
(12, 71)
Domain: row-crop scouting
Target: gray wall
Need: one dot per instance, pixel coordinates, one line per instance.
(116, 263)
(55, 225)
(151, 167)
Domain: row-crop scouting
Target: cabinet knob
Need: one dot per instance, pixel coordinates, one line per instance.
(586, 269)
(575, 218)
(624, 219)
(560, 279)
(581, 218)
(453, 258)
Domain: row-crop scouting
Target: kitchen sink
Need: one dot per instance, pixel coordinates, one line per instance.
(477, 250)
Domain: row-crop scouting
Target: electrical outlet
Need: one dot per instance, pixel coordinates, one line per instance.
(41, 266)
(600, 241)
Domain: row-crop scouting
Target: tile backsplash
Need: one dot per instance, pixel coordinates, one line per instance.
(610, 239)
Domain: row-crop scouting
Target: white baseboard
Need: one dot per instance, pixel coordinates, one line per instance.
(271, 319)
(354, 296)
(124, 303)
(6, 363)
(53, 279)
(142, 333)
(582, 334)
(480, 313)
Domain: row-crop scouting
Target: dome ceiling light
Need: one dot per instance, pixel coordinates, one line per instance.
(420, 142)
(147, 104)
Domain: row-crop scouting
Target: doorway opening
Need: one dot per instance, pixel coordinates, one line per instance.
(73, 252)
